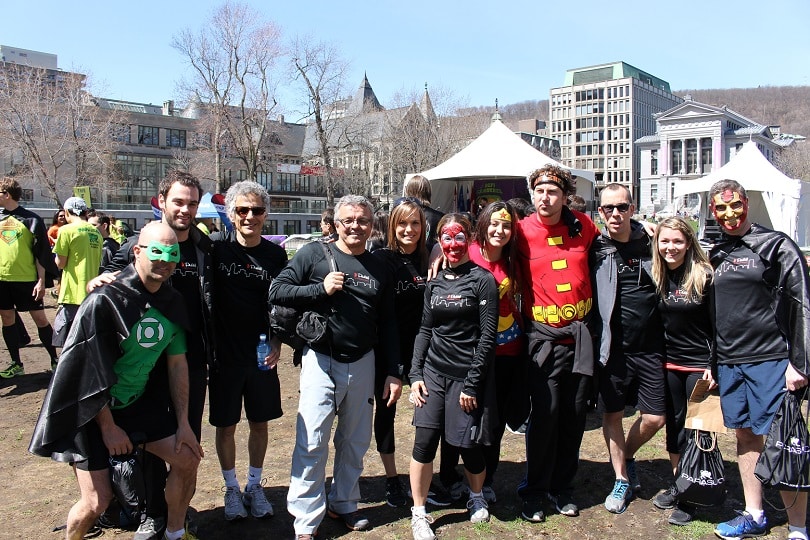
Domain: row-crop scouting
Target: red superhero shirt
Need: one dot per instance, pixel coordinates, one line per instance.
(558, 288)
(510, 335)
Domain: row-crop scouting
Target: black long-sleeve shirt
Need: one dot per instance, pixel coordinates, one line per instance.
(360, 315)
(687, 326)
(459, 325)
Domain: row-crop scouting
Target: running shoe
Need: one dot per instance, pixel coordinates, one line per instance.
(420, 527)
(13, 370)
(150, 528)
(234, 508)
(479, 510)
(395, 495)
(632, 475)
(742, 526)
(257, 502)
(489, 495)
(617, 501)
(666, 499)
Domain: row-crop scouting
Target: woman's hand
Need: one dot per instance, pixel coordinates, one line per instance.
(419, 393)
(468, 403)
(707, 376)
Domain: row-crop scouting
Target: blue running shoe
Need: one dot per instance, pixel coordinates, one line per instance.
(617, 501)
(742, 526)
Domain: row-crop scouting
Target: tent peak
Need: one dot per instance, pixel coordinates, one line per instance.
(496, 117)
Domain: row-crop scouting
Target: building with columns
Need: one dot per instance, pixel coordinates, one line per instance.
(598, 114)
(691, 140)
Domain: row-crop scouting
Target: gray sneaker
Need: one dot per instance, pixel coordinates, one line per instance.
(479, 510)
(255, 499)
(489, 495)
(234, 509)
(617, 501)
(420, 527)
(150, 528)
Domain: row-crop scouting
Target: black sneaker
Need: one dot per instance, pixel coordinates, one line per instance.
(355, 521)
(666, 499)
(438, 496)
(395, 495)
(682, 515)
(533, 511)
(564, 503)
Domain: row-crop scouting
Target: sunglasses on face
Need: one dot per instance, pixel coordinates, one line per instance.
(609, 208)
(242, 211)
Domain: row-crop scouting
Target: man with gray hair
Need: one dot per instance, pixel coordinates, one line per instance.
(244, 266)
(337, 373)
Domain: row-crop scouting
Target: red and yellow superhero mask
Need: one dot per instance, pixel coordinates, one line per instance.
(730, 210)
(454, 242)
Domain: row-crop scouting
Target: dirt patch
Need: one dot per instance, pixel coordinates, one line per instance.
(36, 493)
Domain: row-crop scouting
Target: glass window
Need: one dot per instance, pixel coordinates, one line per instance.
(691, 156)
(292, 226)
(148, 135)
(675, 157)
(705, 155)
(654, 165)
(176, 138)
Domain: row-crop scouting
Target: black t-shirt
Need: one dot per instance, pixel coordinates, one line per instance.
(459, 326)
(409, 296)
(186, 280)
(241, 280)
(745, 324)
(360, 315)
(687, 327)
(636, 320)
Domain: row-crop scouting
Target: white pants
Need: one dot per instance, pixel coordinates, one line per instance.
(330, 388)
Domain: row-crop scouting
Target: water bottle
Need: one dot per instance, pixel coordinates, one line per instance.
(262, 350)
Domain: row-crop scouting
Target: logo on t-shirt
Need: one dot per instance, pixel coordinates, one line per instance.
(149, 332)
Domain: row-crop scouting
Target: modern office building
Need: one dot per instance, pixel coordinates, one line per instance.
(599, 112)
(691, 140)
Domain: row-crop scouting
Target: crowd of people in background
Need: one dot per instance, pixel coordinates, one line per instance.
(526, 315)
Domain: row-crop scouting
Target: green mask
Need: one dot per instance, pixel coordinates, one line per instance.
(155, 251)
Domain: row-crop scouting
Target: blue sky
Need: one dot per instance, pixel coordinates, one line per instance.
(513, 50)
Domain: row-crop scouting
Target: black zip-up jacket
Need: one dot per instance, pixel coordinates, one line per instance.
(786, 278)
(605, 282)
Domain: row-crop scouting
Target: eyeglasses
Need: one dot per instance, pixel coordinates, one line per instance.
(242, 211)
(348, 222)
(402, 200)
(609, 208)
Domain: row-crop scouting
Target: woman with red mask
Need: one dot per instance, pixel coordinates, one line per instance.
(451, 358)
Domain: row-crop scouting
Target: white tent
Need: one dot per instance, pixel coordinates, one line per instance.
(497, 154)
(774, 198)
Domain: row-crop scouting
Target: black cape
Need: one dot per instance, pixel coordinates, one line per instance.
(80, 385)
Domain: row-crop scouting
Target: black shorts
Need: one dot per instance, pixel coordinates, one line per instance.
(634, 379)
(151, 417)
(62, 322)
(227, 386)
(442, 411)
(19, 295)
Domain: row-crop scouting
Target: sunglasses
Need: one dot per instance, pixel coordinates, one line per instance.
(242, 211)
(609, 208)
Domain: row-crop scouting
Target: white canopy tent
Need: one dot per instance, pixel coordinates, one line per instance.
(496, 155)
(774, 199)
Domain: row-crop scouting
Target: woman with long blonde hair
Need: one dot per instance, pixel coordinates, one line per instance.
(682, 275)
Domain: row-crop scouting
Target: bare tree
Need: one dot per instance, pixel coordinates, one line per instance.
(53, 132)
(794, 160)
(321, 70)
(233, 59)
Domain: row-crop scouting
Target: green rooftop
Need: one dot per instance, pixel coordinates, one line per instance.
(609, 72)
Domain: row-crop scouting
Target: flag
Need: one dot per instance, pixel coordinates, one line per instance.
(218, 200)
(156, 209)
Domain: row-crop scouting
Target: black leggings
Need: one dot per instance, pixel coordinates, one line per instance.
(679, 387)
(426, 442)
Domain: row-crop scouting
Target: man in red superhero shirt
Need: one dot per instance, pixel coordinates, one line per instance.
(553, 251)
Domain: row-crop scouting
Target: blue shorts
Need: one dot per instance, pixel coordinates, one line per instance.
(750, 394)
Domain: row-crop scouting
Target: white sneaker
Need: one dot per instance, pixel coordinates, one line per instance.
(420, 527)
(234, 509)
(489, 495)
(479, 510)
(255, 499)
